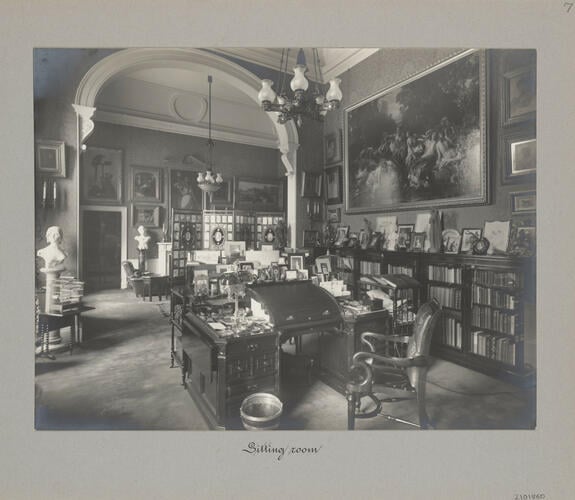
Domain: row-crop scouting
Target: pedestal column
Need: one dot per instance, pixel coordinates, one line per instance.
(142, 260)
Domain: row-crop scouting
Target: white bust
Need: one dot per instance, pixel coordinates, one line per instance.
(142, 238)
(53, 254)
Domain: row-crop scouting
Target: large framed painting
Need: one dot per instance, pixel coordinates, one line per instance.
(184, 191)
(101, 179)
(259, 195)
(420, 143)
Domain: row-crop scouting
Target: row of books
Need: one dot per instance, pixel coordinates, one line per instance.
(368, 267)
(494, 319)
(400, 270)
(448, 297)
(509, 279)
(346, 263)
(67, 293)
(492, 297)
(444, 273)
(452, 334)
(495, 347)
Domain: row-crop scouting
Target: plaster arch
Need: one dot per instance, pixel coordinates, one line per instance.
(131, 59)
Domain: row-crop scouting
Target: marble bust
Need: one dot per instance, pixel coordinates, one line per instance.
(53, 255)
(142, 238)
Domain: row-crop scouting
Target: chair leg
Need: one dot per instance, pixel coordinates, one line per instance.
(420, 393)
(351, 405)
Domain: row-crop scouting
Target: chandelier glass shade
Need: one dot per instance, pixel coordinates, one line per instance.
(208, 181)
(301, 103)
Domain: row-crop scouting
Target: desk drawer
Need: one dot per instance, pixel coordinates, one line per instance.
(257, 365)
(247, 387)
(251, 345)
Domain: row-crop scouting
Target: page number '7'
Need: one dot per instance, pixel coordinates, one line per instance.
(568, 5)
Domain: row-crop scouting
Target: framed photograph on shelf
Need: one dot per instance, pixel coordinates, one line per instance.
(468, 238)
(145, 215)
(334, 185)
(259, 195)
(519, 156)
(341, 236)
(51, 158)
(311, 185)
(184, 191)
(332, 149)
(404, 232)
(101, 175)
(296, 261)
(334, 215)
(497, 233)
(323, 264)
(519, 95)
(146, 184)
(364, 238)
(374, 241)
(451, 240)
(374, 182)
(523, 202)
(522, 241)
(417, 242)
(310, 238)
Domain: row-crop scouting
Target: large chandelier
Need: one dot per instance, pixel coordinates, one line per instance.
(313, 105)
(208, 181)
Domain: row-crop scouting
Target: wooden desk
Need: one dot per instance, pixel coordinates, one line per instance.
(155, 285)
(48, 322)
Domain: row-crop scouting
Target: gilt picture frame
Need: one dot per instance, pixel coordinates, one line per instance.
(51, 158)
(259, 195)
(101, 175)
(146, 184)
(391, 136)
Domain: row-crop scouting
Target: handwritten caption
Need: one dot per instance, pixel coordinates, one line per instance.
(279, 452)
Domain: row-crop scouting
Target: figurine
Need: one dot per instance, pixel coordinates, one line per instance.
(53, 254)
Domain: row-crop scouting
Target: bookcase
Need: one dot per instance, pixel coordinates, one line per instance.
(483, 300)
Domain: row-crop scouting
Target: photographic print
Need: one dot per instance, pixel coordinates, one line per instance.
(523, 202)
(468, 238)
(404, 232)
(341, 235)
(523, 157)
(332, 147)
(101, 178)
(417, 242)
(522, 241)
(147, 216)
(420, 143)
(333, 184)
(184, 191)
(296, 261)
(146, 184)
(451, 240)
(497, 233)
(259, 195)
(51, 158)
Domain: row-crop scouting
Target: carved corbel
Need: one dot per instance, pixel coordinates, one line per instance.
(86, 125)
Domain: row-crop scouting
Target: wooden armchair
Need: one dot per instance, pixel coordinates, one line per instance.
(135, 281)
(371, 371)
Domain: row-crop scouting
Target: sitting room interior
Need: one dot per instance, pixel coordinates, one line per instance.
(293, 239)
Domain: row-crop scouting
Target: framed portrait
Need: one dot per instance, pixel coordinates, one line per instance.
(374, 241)
(364, 238)
(341, 236)
(451, 240)
(310, 237)
(522, 241)
(145, 215)
(404, 232)
(323, 264)
(332, 147)
(468, 238)
(519, 95)
(523, 202)
(296, 261)
(520, 156)
(311, 185)
(184, 191)
(259, 195)
(333, 185)
(334, 215)
(497, 233)
(101, 177)
(417, 242)
(392, 139)
(146, 184)
(223, 197)
(51, 158)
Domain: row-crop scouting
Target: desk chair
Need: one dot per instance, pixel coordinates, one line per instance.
(370, 370)
(135, 281)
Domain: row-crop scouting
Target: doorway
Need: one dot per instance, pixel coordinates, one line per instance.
(102, 247)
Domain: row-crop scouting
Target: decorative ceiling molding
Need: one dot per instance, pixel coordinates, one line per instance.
(229, 135)
(334, 63)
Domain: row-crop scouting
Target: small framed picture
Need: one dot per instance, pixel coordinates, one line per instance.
(323, 264)
(146, 184)
(291, 274)
(522, 241)
(519, 97)
(51, 158)
(332, 147)
(404, 232)
(374, 241)
(310, 238)
(417, 242)
(296, 261)
(364, 239)
(468, 238)
(334, 185)
(341, 235)
(519, 156)
(451, 240)
(334, 215)
(497, 233)
(146, 215)
(303, 274)
(523, 202)
(311, 185)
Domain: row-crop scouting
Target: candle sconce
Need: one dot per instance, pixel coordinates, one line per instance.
(50, 193)
(314, 209)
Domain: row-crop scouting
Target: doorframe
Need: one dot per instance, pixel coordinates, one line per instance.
(123, 211)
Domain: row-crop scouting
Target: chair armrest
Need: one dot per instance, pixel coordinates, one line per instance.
(359, 357)
(368, 337)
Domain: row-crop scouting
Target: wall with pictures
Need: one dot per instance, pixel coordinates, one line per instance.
(391, 66)
(165, 151)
